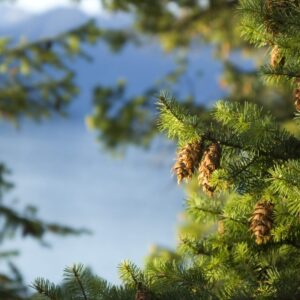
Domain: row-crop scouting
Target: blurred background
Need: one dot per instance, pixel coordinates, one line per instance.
(85, 176)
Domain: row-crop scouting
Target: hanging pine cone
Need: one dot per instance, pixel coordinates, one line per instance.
(276, 58)
(297, 95)
(210, 162)
(142, 294)
(261, 222)
(187, 160)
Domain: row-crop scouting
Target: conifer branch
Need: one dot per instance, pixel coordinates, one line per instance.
(244, 123)
(78, 279)
(244, 168)
(217, 213)
(197, 246)
(131, 274)
(279, 73)
(46, 288)
(176, 120)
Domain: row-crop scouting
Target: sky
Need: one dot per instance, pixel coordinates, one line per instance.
(91, 7)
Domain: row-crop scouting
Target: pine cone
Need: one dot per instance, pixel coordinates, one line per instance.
(187, 160)
(297, 95)
(210, 162)
(276, 58)
(261, 222)
(141, 294)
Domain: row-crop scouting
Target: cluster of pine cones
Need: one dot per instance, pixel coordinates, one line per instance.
(194, 156)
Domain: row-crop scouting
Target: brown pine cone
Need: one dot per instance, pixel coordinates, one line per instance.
(187, 160)
(297, 95)
(142, 294)
(261, 222)
(276, 58)
(210, 162)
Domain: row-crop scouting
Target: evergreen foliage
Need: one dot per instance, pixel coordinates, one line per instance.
(80, 283)
(274, 24)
